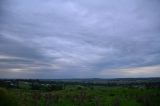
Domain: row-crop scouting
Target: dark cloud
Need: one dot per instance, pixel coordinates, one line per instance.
(76, 38)
(14, 48)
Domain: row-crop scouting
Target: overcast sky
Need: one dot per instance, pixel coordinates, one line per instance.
(79, 38)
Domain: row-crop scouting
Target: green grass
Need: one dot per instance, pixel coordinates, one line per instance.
(82, 96)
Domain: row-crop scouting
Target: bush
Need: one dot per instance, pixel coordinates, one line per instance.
(6, 99)
(116, 101)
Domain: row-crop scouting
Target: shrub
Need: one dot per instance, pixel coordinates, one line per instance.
(7, 99)
(116, 101)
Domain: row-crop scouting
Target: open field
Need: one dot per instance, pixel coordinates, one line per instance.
(80, 92)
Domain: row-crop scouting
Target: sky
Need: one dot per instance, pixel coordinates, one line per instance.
(79, 38)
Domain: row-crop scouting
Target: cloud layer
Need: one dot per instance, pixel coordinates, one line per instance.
(79, 38)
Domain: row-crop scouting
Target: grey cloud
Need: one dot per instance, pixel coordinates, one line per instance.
(76, 38)
(13, 48)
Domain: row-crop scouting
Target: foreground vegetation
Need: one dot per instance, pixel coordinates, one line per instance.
(78, 93)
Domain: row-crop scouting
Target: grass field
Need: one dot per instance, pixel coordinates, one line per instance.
(78, 95)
